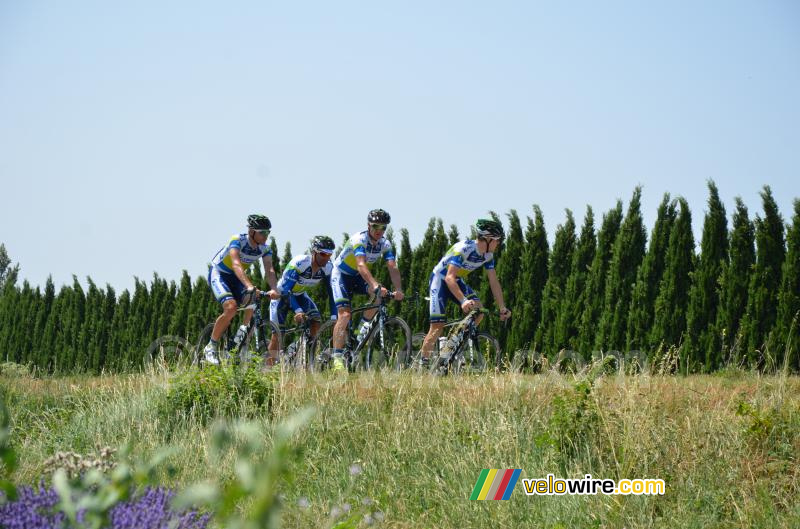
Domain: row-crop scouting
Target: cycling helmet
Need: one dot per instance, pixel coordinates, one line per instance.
(258, 222)
(322, 243)
(489, 228)
(380, 216)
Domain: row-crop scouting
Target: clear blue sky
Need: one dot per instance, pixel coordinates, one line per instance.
(136, 138)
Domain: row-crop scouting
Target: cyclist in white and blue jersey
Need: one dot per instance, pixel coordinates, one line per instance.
(302, 274)
(229, 281)
(447, 279)
(352, 275)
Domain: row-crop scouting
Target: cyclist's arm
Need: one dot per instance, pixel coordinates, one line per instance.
(394, 274)
(238, 269)
(451, 279)
(363, 271)
(270, 272)
(497, 290)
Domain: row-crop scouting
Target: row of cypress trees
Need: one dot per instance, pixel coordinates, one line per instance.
(596, 289)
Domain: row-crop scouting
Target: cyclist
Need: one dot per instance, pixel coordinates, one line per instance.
(352, 275)
(446, 281)
(303, 273)
(230, 283)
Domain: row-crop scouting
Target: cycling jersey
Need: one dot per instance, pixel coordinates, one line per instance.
(360, 244)
(297, 277)
(466, 257)
(296, 281)
(247, 254)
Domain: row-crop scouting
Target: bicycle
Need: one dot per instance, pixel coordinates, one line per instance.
(386, 341)
(261, 329)
(465, 349)
(298, 346)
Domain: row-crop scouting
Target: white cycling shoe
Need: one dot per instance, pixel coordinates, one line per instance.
(211, 356)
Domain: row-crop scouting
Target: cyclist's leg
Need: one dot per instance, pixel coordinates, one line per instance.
(311, 311)
(277, 314)
(341, 298)
(438, 299)
(227, 289)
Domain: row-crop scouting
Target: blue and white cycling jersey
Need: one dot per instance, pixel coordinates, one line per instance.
(298, 278)
(247, 254)
(466, 257)
(360, 244)
(296, 281)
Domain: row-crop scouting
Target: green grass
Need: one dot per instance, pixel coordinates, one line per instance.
(411, 448)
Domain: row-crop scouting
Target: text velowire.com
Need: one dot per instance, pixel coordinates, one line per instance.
(552, 486)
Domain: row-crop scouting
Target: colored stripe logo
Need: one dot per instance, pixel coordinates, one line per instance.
(495, 484)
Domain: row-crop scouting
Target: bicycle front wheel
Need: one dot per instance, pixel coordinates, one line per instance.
(319, 351)
(257, 348)
(388, 347)
(478, 354)
(223, 350)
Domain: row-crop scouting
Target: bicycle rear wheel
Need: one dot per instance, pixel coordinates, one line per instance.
(390, 347)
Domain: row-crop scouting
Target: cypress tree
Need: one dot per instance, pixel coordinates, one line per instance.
(117, 343)
(258, 276)
(276, 260)
(452, 235)
(702, 338)
(7, 272)
(405, 260)
(596, 281)
(554, 290)
(180, 314)
(203, 308)
(765, 281)
(531, 279)
(507, 270)
(788, 326)
(77, 357)
(627, 255)
(287, 256)
(645, 290)
(735, 279)
(44, 330)
(91, 330)
(568, 325)
(669, 318)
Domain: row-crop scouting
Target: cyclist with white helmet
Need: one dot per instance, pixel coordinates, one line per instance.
(352, 275)
(446, 281)
(230, 283)
(303, 273)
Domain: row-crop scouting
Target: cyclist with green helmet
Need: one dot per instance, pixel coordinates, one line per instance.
(230, 283)
(303, 273)
(447, 279)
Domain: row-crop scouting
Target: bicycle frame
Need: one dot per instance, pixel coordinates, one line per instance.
(256, 321)
(380, 317)
(469, 334)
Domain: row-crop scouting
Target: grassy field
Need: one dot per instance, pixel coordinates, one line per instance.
(399, 450)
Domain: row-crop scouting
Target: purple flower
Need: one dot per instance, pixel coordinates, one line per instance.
(34, 509)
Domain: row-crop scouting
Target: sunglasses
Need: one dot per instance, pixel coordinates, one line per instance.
(265, 233)
(326, 252)
(379, 227)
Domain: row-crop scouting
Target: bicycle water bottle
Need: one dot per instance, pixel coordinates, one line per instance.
(240, 334)
(363, 330)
